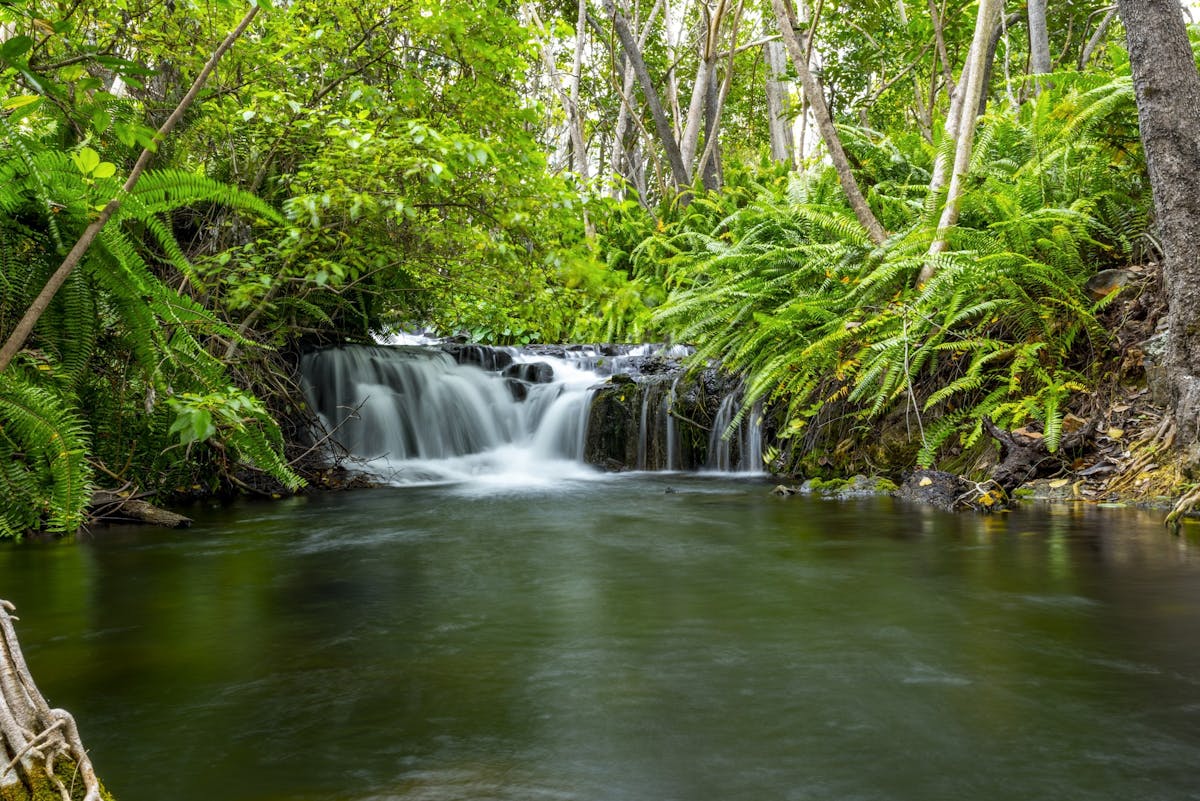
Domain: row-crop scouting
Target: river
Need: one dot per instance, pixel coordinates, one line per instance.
(629, 638)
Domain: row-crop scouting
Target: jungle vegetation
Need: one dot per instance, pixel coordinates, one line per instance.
(886, 214)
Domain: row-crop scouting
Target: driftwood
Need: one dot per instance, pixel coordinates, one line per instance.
(1024, 455)
(112, 507)
(41, 746)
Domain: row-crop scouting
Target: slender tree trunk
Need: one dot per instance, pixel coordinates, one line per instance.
(1167, 87)
(833, 143)
(1085, 55)
(626, 163)
(943, 161)
(40, 745)
(939, 39)
(1039, 40)
(709, 165)
(680, 177)
(779, 102)
(16, 340)
(706, 69)
(972, 89)
(578, 135)
(567, 99)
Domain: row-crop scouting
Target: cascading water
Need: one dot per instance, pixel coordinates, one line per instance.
(435, 413)
(743, 446)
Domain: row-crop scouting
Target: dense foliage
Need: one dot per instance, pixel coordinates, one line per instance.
(501, 170)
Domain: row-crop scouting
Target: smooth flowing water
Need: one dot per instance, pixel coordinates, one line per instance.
(631, 638)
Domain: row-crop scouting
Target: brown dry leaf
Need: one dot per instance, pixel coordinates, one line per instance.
(1072, 423)
(1115, 433)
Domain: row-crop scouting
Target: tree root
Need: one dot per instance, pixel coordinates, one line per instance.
(35, 737)
(1024, 457)
(1184, 506)
(1148, 450)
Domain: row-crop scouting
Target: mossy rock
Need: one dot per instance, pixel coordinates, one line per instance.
(41, 789)
(854, 487)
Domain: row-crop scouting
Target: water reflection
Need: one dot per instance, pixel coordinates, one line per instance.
(620, 642)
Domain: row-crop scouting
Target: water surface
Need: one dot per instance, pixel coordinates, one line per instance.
(640, 638)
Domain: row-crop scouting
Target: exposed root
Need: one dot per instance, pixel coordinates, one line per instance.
(1146, 451)
(1184, 506)
(35, 735)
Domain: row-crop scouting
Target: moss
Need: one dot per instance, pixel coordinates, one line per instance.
(43, 790)
(886, 485)
(1021, 493)
(827, 485)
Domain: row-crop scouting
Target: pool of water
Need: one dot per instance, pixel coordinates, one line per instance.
(638, 638)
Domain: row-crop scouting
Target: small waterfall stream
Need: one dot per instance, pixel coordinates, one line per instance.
(436, 413)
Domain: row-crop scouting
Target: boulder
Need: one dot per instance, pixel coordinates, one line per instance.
(530, 372)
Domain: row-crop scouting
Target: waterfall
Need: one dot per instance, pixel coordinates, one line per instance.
(739, 449)
(440, 412)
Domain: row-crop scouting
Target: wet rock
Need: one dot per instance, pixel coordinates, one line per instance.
(518, 389)
(483, 356)
(950, 492)
(1047, 489)
(859, 486)
(935, 488)
(530, 372)
(612, 429)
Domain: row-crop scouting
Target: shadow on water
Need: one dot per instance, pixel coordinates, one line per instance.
(611, 639)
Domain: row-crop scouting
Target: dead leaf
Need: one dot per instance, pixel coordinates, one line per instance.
(1071, 423)
(1115, 433)
(925, 482)
(1059, 482)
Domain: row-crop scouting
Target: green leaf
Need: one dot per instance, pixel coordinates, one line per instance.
(87, 160)
(20, 101)
(101, 120)
(16, 47)
(105, 169)
(202, 425)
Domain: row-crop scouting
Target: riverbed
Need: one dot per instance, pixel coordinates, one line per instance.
(625, 638)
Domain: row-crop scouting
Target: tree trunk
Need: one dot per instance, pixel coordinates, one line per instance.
(779, 105)
(1167, 87)
(1039, 40)
(662, 126)
(816, 100)
(972, 90)
(41, 747)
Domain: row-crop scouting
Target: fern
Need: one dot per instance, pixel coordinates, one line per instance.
(115, 306)
(43, 443)
(832, 329)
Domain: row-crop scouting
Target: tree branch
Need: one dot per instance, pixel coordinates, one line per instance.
(16, 340)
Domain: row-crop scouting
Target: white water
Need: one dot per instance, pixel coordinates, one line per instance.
(413, 415)
(418, 417)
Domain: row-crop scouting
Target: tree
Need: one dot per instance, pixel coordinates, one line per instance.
(972, 87)
(41, 746)
(680, 176)
(16, 339)
(829, 135)
(1039, 38)
(1167, 86)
